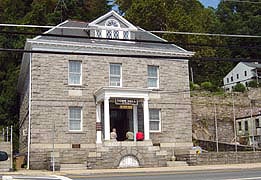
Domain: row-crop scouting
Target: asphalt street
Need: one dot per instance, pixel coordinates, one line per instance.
(253, 174)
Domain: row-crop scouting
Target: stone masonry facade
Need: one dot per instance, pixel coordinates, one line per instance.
(51, 98)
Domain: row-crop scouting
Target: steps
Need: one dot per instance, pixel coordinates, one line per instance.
(65, 167)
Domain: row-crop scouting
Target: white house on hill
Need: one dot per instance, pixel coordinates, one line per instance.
(243, 72)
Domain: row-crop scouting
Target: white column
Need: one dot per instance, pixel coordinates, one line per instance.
(146, 119)
(98, 124)
(135, 121)
(106, 119)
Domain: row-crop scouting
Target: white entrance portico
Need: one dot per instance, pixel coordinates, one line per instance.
(107, 94)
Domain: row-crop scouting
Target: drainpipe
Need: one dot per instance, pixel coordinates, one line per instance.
(29, 112)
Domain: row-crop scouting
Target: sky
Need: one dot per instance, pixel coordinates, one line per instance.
(212, 3)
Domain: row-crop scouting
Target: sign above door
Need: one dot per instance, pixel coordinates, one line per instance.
(123, 101)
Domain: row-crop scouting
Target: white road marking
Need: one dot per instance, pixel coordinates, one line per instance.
(253, 178)
(62, 177)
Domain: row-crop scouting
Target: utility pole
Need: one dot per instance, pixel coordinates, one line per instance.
(192, 75)
(216, 125)
(11, 147)
(252, 121)
(234, 118)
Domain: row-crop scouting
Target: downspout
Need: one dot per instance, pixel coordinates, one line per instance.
(29, 113)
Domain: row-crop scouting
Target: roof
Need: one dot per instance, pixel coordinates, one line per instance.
(140, 34)
(254, 65)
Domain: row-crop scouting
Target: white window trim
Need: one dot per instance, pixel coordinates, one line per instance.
(157, 77)
(115, 76)
(80, 84)
(156, 131)
(69, 119)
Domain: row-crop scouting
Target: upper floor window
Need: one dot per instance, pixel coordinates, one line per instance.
(126, 35)
(109, 34)
(246, 125)
(98, 33)
(155, 122)
(115, 74)
(231, 78)
(245, 73)
(227, 80)
(116, 34)
(75, 119)
(257, 123)
(237, 76)
(153, 76)
(239, 126)
(75, 73)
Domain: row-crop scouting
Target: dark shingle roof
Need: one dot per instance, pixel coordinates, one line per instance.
(139, 35)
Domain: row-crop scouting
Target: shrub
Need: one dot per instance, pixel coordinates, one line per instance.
(239, 88)
(208, 86)
(252, 84)
(194, 86)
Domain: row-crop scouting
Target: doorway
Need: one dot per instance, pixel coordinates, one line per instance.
(122, 120)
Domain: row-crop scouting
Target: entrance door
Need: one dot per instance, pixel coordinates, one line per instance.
(121, 120)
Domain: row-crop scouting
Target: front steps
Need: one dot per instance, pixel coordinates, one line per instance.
(176, 163)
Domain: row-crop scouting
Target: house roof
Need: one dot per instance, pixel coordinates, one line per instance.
(254, 65)
(140, 34)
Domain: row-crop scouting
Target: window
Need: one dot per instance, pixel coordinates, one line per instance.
(98, 33)
(246, 125)
(257, 123)
(109, 34)
(115, 74)
(75, 119)
(116, 34)
(125, 34)
(155, 124)
(75, 72)
(153, 76)
(231, 78)
(237, 76)
(227, 80)
(245, 73)
(239, 126)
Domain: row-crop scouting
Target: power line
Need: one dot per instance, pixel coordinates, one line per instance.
(207, 34)
(253, 2)
(131, 55)
(160, 32)
(129, 40)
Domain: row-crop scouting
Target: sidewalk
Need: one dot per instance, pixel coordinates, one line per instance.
(134, 170)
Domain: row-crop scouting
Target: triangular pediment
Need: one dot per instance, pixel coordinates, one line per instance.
(113, 20)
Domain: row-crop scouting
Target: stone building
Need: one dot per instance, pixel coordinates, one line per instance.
(74, 93)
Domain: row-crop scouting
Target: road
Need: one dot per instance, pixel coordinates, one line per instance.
(253, 174)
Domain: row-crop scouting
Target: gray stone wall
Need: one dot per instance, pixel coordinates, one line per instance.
(228, 158)
(203, 113)
(51, 100)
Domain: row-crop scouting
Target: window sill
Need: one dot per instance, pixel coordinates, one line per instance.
(75, 132)
(155, 132)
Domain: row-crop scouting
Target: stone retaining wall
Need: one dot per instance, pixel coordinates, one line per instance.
(214, 158)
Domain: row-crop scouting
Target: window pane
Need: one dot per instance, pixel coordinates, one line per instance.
(74, 72)
(109, 33)
(116, 34)
(152, 82)
(75, 118)
(154, 115)
(154, 125)
(115, 74)
(152, 71)
(125, 34)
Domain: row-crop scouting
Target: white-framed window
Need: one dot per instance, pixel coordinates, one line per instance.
(98, 33)
(125, 34)
(109, 34)
(116, 34)
(115, 74)
(75, 119)
(75, 73)
(155, 120)
(153, 76)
